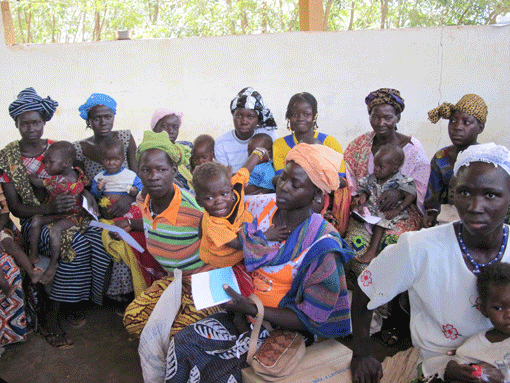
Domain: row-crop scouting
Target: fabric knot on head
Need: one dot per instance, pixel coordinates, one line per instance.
(385, 96)
(28, 100)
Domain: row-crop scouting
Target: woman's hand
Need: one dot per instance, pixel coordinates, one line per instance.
(456, 372)
(430, 218)
(277, 233)
(120, 207)
(239, 303)
(390, 214)
(62, 203)
(366, 369)
(123, 224)
(389, 199)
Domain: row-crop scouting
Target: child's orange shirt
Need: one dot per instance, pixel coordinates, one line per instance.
(218, 231)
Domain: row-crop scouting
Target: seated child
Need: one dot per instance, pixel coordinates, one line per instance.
(202, 152)
(261, 178)
(115, 181)
(64, 179)
(487, 348)
(222, 197)
(8, 245)
(387, 162)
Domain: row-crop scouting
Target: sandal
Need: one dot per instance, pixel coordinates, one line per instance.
(390, 337)
(77, 322)
(59, 340)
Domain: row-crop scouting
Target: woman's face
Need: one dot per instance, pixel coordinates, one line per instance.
(157, 173)
(101, 120)
(30, 125)
(384, 119)
(294, 190)
(245, 122)
(301, 117)
(169, 124)
(482, 197)
(463, 129)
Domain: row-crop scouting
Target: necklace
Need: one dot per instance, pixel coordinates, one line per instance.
(475, 264)
(150, 209)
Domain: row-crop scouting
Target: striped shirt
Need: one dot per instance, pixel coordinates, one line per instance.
(172, 236)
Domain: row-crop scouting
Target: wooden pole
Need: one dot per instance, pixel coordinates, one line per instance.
(7, 23)
(311, 15)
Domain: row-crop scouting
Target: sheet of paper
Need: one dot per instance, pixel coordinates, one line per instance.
(123, 234)
(372, 219)
(88, 208)
(207, 287)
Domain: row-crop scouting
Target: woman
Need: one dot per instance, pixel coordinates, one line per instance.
(384, 108)
(301, 282)
(81, 275)
(438, 266)
(251, 116)
(169, 120)
(466, 120)
(171, 218)
(99, 113)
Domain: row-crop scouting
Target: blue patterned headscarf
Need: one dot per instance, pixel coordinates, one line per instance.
(94, 100)
(248, 98)
(28, 100)
(385, 96)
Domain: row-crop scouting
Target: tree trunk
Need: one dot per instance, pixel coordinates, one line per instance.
(156, 12)
(20, 25)
(29, 22)
(97, 26)
(461, 18)
(384, 12)
(53, 28)
(351, 18)
(326, 15)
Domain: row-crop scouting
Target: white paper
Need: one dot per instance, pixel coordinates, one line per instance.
(372, 219)
(207, 287)
(88, 208)
(123, 234)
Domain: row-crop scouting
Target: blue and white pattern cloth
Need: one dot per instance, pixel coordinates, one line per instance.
(28, 100)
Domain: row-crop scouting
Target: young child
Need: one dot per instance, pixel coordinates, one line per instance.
(387, 162)
(8, 245)
(64, 179)
(115, 181)
(261, 178)
(203, 151)
(488, 347)
(222, 197)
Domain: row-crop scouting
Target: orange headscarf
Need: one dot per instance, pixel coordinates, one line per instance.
(320, 163)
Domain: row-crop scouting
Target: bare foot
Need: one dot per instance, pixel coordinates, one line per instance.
(49, 274)
(36, 274)
(8, 290)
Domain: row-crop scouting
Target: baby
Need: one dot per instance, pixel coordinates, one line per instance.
(488, 349)
(115, 181)
(64, 179)
(261, 178)
(222, 197)
(203, 151)
(387, 162)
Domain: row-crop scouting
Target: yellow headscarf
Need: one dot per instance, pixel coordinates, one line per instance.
(471, 104)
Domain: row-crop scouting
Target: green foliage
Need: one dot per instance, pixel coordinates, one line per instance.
(63, 21)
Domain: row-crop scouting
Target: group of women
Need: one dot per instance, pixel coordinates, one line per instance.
(301, 281)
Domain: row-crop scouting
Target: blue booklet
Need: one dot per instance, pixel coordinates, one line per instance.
(207, 287)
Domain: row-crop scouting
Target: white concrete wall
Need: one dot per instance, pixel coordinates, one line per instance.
(201, 75)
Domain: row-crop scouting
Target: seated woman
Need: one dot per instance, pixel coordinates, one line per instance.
(251, 116)
(171, 218)
(466, 120)
(438, 266)
(81, 276)
(169, 120)
(308, 292)
(99, 113)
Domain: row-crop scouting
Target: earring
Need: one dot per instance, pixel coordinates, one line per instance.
(315, 126)
(288, 125)
(318, 200)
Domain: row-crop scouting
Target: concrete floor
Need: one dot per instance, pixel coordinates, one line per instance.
(102, 352)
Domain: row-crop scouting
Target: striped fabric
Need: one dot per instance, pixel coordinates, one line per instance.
(172, 236)
(28, 100)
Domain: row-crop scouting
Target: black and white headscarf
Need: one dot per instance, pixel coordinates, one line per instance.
(28, 100)
(251, 99)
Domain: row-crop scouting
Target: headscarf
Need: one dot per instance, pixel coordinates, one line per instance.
(162, 112)
(251, 99)
(94, 100)
(471, 104)
(498, 155)
(385, 96)
(179, 154)
(28, 100)
(320, 163)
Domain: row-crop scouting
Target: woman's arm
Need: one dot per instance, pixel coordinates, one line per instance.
(131, 154)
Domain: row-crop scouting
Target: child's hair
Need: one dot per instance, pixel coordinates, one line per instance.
(206, 172)
(66, 149)
(204, 139)
(302, 97)
(398, 155)
(112, 143)
(265, 140)
(497, 274)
